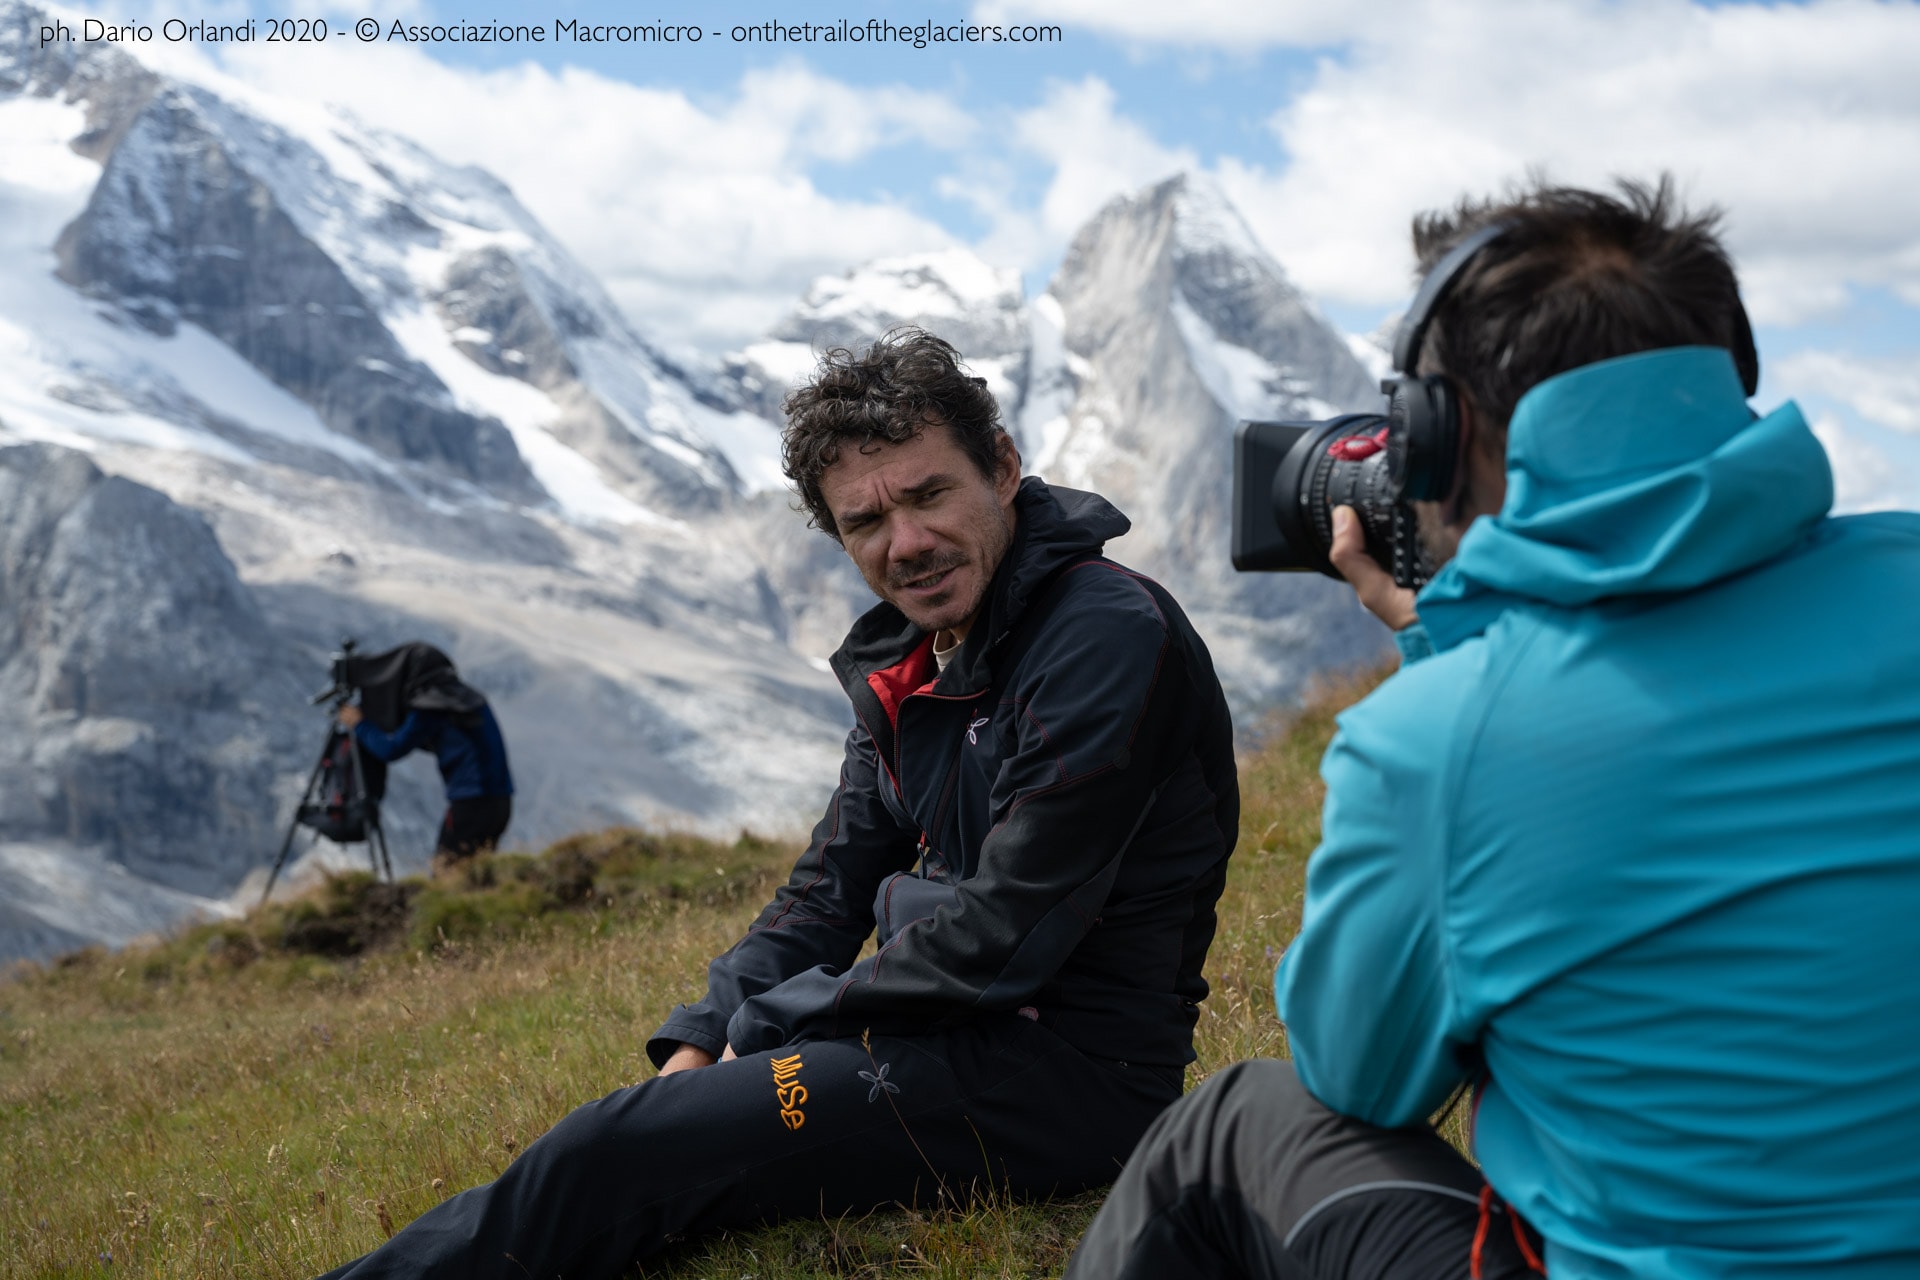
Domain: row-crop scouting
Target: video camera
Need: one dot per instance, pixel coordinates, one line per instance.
(340, 685)
(1289, 476)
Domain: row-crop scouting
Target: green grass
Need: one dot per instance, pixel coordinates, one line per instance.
(268, 1097)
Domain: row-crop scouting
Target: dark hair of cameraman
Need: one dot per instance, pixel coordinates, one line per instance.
(1576, 277)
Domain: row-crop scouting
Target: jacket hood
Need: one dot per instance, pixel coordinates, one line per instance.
(1054, 527)
(1645, 474)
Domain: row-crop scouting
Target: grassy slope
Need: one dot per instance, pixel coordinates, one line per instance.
(225, 1106)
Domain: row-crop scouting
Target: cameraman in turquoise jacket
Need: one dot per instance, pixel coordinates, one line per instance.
(1629, 848)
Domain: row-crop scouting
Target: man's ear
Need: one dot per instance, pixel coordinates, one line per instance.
(1466, 448)
(1480, 487)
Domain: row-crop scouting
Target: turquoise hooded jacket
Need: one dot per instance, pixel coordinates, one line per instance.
(1633, 841)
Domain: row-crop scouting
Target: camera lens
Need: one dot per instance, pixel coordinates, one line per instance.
(1351, 470)
(1289, 477)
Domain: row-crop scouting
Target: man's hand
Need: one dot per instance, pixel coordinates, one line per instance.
(687, 1057)
(349, 716)
(1385, 600)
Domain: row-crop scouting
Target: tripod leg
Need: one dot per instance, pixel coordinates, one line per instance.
(376, 838)
(294, 825)
(379, 833)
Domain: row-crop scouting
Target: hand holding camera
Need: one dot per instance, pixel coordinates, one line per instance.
(1381, 596)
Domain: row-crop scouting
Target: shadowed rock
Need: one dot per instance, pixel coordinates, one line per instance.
(136, 665)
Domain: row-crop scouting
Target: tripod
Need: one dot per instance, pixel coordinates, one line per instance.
(337, 803)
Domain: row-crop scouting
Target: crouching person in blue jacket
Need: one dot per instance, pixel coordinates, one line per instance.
(1032, 819)
(1630, 846)
(427, 707)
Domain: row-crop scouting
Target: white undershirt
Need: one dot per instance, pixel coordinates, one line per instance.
(941, 657)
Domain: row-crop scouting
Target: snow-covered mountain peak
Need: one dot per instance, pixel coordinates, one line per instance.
(1206, 221)
(1167, 324)
(979, 308)
(413, 310)
(974, 305)
(947, 283)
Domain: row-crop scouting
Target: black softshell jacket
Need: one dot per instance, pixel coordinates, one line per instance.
(1042, 829)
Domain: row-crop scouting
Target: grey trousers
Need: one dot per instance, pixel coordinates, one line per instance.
(1250, 1177)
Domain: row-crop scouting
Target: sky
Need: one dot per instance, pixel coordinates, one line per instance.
(709, 182)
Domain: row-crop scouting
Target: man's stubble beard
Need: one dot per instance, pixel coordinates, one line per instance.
(937, 562)
(1436, 544)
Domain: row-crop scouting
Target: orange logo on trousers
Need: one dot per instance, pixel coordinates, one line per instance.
(788, 1091)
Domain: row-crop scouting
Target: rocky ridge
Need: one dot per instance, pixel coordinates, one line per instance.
(135, 668)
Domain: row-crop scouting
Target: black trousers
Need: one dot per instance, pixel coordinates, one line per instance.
(470, 825)
(817, 1128)
(1250, 1177)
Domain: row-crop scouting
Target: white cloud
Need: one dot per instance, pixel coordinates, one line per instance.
(1864, 478)
(1800, 119)
(703, 221)
(705, 218)
(1094, 153)
(1884, 392)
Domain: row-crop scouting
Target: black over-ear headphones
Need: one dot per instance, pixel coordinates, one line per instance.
(1423, 412)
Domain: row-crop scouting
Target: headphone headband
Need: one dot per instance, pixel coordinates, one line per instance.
(1433, 291)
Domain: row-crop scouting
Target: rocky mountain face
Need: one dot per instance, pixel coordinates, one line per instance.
(140, 690)
(1166, 325)
(412, 306)
(288, 378)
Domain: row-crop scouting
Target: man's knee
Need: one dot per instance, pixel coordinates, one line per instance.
(1241, 1119)
(595, 1133)
(1260, 1096)
(1265, 1084)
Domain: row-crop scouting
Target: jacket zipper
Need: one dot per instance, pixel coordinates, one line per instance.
(953, 770)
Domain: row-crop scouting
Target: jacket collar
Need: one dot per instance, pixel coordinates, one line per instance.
(1641, 475)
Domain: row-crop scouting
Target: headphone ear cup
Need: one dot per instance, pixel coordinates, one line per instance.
(1423, 438)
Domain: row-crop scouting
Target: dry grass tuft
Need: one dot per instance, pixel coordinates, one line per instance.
(268, 1097)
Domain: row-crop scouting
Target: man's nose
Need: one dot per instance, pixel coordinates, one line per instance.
(911, 539)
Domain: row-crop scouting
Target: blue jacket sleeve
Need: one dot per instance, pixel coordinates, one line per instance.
(1071, 796)
(818, 919)
(1413, 643)
(1365, 989)
(391, 746)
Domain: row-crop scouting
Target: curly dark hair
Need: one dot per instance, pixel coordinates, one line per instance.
(906, 382)
(1580, 276)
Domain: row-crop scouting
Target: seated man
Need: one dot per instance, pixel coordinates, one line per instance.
(1034, 813)
(411, 698)
(1631, 845)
